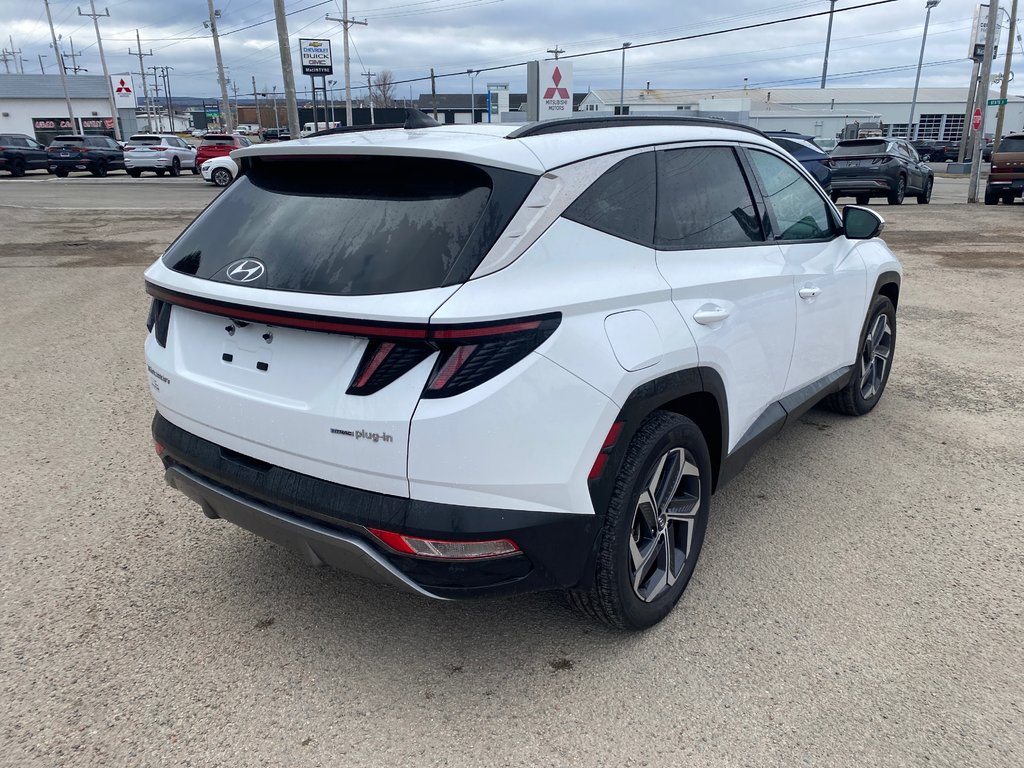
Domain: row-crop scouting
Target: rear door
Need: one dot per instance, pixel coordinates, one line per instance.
(728, 282)
(297, 307)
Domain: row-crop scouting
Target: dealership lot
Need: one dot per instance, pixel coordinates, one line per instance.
(858, 600)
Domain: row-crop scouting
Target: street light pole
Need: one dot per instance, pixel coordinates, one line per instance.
(472, 97)
(346, 22)
(622, 80)
(911, 134)
(828, 41)
(60, 67)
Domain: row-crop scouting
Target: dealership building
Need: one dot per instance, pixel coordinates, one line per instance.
(940, 113)
(34, 105)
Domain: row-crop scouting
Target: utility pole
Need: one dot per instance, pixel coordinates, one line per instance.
(103, 62)
(556, 50)
(369, 91)
(6, 57)
(828, 41)
(74, 57)
(982, 99)
(292, 109)
(226, 114)
(346, 22)
(19, 63)
(234, 88)
(156, 98)
(920, 61)
(256, 100)
(60, 66)
(433, 92)
(142, 71)
(1002, 86)
(42, 69)
(167, 93)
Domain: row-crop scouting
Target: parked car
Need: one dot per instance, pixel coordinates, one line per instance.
(986, 151)
(1006, 176)
(276, 134)
(20, 153)
(96, 154)
(492, 359)
(880, 167)
(199, 133)
(945, 151)
(928, 149)
(219, 144)
(220, 170)
(808, 153)
(160, 153)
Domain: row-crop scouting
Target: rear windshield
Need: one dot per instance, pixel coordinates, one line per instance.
(353, 225)
(860, 148)
(1012, 144)
(143, 141)
(217, 141)
(67, 141)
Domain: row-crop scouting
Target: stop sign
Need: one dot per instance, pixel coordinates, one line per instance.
(976, 122)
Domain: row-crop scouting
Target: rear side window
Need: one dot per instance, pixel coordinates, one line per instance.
(621, 202)
(800, 212)
(704, 200)
(353, 226)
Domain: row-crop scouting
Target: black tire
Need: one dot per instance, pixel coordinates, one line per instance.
(134, 173)
(100, 169)
(669, 454)
(221, 177)
(17, 167)
(896, 196)
(61, 173)
(160, 172)
(874, 362)
(991, 198)
(175, 167)
(1007, 199)
(863, 199)
(195, 169)
(926, 196)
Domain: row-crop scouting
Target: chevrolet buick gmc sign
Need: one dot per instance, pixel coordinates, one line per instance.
(316, 57)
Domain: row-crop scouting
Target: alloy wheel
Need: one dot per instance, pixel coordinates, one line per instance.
(874, 358)
(663, 525)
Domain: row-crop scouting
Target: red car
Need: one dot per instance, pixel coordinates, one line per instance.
(218, 145)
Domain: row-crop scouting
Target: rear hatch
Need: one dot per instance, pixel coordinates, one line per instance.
(214, 146)
(68, 148)
(290, 321)
(1008, 161)
(144, 148)
(860, 157)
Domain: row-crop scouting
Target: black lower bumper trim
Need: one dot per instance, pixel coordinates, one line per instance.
(554, 546)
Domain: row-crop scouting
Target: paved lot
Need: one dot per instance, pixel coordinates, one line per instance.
(858, 601)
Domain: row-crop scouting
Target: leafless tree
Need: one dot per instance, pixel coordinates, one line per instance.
(384, 89)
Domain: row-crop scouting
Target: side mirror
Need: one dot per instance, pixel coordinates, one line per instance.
(861, 223)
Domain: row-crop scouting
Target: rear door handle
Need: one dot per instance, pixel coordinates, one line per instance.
(809, 291)
(709, 314)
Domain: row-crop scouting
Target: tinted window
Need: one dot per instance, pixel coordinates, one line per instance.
(800, 212)
(17, 141)
(67, 141)
(143, 141)
(621, 202)
(353, 225)
(704, 200)
(860, 148)
(218, 141)
(1012, 144)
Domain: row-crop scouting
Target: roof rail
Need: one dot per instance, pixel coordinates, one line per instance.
(620, 121)
(352, 129)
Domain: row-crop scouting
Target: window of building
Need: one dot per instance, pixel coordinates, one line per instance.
(897, 130)
(929, 126)
(953, 130)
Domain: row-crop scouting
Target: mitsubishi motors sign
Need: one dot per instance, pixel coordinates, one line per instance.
(316, 57)
(124, 91)
(555, 81)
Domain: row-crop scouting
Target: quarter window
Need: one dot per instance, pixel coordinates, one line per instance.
(800, 211)
(704, 200)
(621, 201)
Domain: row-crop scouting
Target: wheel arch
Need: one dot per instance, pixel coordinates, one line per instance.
(888, 285)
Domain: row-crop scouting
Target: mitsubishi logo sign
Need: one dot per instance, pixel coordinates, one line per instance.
(555, 90)
(124, 91)
(246, 270)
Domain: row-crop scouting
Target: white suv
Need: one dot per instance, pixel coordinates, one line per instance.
(160, 153)
(481, 360)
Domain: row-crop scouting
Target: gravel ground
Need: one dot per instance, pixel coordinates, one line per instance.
(858, 601)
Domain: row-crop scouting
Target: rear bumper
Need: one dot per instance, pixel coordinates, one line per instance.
(850, 186)
(327, 523)
(1006, 185)
(147, 163)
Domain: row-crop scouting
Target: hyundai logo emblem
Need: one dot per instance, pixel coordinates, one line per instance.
(246, 270)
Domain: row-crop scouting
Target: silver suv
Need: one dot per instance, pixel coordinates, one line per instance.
(160, 153)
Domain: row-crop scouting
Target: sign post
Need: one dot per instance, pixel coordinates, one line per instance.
(315, 56)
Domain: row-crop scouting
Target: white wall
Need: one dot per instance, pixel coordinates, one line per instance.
(22, 111)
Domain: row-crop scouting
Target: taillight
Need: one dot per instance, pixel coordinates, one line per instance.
(157, 148)
(439, 549)
(469, 355)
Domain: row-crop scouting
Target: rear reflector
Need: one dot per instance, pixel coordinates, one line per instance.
(160, 450)
(610, 441)
(445, 550)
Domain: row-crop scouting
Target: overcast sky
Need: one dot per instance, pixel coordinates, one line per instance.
(875, 46)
